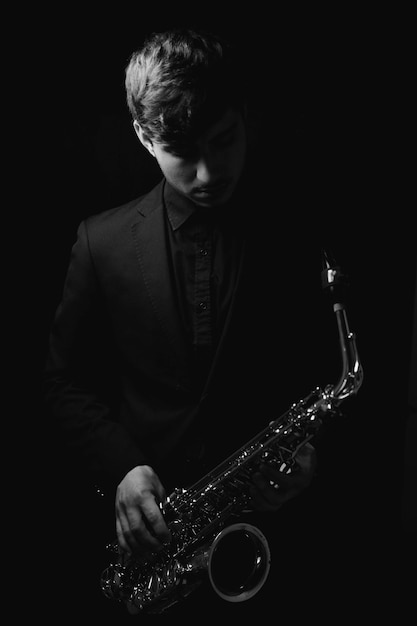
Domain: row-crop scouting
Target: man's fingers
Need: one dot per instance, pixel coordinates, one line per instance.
(121, 537)
(272, 487)
(155, 520)
(265, 495)
(141, 528)
(301, 474)
(125, 537)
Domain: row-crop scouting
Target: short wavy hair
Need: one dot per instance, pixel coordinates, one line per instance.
(180, 82)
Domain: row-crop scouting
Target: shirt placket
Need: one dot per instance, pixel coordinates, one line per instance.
(202, 292)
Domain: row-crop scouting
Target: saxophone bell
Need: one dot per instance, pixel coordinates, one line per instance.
(238, 562)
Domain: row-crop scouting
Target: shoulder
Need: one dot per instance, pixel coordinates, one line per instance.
(120, 217)
(112, 228)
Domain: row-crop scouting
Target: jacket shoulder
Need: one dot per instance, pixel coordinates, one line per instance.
(124, 214)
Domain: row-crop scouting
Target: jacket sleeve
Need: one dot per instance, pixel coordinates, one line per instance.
(80, 380)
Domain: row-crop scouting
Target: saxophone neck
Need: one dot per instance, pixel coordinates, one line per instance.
(352, 372)
(335, 283)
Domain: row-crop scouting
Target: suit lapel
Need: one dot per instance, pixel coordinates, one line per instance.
(152, 253)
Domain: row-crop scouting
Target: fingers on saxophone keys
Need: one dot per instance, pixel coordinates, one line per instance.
(276, 477)
(266, 495)
(295, 481)
(123, 545)
(135, 538)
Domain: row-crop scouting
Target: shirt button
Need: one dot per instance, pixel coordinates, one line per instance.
(203, 252)
(202, 306)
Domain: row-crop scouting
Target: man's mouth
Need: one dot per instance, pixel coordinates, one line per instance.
(215, 189)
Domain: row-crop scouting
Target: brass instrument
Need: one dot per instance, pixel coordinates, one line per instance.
(198, 516)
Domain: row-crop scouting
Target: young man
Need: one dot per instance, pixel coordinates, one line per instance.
(181, 313)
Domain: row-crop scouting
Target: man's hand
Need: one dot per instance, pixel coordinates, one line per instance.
(272, 488)
(140, 525)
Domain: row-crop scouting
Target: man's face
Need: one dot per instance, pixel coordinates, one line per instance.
(207, 174)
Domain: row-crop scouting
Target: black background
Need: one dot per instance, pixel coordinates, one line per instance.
(334, 94)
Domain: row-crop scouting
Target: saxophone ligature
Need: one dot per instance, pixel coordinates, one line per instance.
(200, 517)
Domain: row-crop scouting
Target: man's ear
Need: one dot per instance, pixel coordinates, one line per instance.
(143, 138)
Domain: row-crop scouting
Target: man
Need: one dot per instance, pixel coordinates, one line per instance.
(168, 345)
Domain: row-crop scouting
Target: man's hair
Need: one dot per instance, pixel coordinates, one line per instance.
(180, 82)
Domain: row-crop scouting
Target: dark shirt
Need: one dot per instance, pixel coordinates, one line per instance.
(205, 251)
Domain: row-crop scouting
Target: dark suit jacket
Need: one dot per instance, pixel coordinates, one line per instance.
(119, 379)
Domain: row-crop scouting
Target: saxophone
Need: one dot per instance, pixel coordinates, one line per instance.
(199, 517)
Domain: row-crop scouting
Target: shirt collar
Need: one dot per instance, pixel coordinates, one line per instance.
(179, 208)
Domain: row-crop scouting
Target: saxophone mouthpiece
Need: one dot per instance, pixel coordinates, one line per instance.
(333, 281)
(328, 259)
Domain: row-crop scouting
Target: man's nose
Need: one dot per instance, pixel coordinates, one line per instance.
(205, 170)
